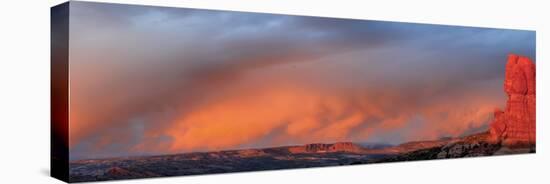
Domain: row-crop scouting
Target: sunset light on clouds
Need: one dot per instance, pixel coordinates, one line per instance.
(185, 80)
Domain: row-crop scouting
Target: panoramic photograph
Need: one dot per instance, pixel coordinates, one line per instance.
(159, 91)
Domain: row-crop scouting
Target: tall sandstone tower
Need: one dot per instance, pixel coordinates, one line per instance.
(515, 126)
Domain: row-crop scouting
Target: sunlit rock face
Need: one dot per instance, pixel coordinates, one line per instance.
(321, 148)
(515, 126)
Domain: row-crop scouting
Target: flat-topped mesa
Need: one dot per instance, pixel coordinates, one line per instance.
(328, 148)
(515, 126)
(346, 146)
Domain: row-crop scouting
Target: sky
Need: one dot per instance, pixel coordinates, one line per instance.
(155, 80)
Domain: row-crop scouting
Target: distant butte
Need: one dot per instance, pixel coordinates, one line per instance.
(327, 148)
(515, 126)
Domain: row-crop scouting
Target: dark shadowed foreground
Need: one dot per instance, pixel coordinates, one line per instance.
(311, 155)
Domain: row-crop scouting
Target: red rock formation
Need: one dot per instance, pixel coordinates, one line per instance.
(321, 148)
(346, 146)
(516, 124)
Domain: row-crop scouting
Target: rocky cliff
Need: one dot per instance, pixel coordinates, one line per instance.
(515, 126)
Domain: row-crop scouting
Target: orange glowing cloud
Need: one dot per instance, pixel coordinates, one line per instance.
(268, 109)
(300, 115)
(234, 121)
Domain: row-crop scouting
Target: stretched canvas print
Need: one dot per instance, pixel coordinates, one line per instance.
(144, 91)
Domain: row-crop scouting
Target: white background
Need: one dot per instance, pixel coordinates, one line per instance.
(24, 91)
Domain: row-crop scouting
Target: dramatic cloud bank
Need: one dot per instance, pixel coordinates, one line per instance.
(151, 80)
